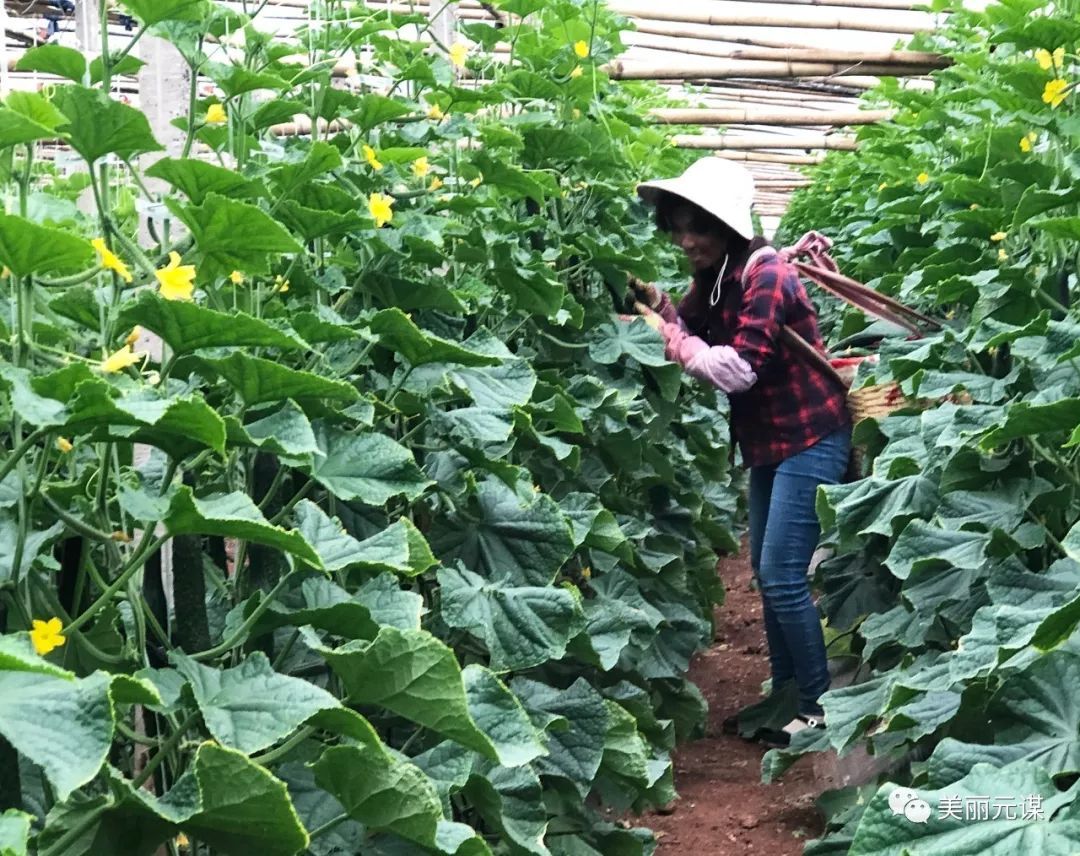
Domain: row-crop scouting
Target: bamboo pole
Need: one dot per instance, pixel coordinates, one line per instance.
(679, 13)
(922, 59)
(891, 5)
(757, 141)
(685, 116)
(769, 157)
(679, 69)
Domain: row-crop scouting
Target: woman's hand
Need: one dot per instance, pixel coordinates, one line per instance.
(644, 292)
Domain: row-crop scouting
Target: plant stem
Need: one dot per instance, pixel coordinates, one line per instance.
(146, 547)
(164, 750)
(328, 826)
(268, 758)
(242, 632)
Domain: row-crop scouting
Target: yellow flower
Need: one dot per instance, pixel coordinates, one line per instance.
(575, 113)
(998, 236)
(1002, 255)
(133, 336)
(476, 182)
(435, 112)
(119, 360)
(1055, 91)
(216, 115)
(1049, 60)
(883, 185)
(369, 156)
(182, 840)
(436, 183)
(109, 260)
(458, 52)
(64, 444)
(586, 572)
(421, 167)
(381, 207)
(281, 285)
(581, 49)
(974, 206)
(923, 177)
(176, 280)
(1025, 143)
(236, 278)
(577, 72)
(46, 635)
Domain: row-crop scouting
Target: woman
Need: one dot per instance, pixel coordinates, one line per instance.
(788, 417)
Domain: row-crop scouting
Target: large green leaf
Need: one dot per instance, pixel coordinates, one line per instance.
(231, 515)
(54, 59)
(152, 12)
(97, 125)
(577, 749)
(27, 248)
(381, 790)
(521, 626)
(321, 604)
(233, 235)
(505, 538)
(63, 724)
(196, 179)
(231, 803)
(259, 380)
(416, 676)
(612, 341)
(371, 468)
(28, 116)
(1025, 419)
(250, 706)
(922, 545)
(511, 800)
(285, 431)
(187, 326)
(397, 331)
(883, 832)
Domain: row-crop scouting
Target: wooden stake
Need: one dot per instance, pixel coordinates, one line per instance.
(685, 116)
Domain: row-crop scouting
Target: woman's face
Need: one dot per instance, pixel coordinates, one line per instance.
(704, 248)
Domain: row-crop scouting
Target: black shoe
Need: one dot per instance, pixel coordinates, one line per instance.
(780, 738)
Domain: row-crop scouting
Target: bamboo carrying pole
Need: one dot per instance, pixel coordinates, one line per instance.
(682, 69)
(686, 116)
(760, 141)
(900, 23)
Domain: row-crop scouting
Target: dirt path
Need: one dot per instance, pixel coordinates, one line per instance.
(723, 807)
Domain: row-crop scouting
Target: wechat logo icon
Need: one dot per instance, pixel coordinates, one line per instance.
(906, 802)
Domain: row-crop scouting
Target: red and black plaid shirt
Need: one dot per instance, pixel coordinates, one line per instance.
(793, 404)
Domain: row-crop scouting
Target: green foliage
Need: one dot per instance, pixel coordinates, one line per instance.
(956, 573)
(401, 543)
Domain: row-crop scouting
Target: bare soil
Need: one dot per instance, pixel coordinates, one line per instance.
(723, 808)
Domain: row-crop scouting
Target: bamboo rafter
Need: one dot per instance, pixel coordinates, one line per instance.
(687, 116)
(730, 142)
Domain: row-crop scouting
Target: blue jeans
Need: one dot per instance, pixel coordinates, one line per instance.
(784, 533)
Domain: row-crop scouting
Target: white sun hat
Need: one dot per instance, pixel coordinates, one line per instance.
(722, 187)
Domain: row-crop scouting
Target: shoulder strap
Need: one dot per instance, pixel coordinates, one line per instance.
(811, 354)
(788, 336)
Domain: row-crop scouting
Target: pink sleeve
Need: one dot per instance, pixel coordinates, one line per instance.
(719, 365)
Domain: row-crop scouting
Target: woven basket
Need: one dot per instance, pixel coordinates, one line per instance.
(873, 402)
